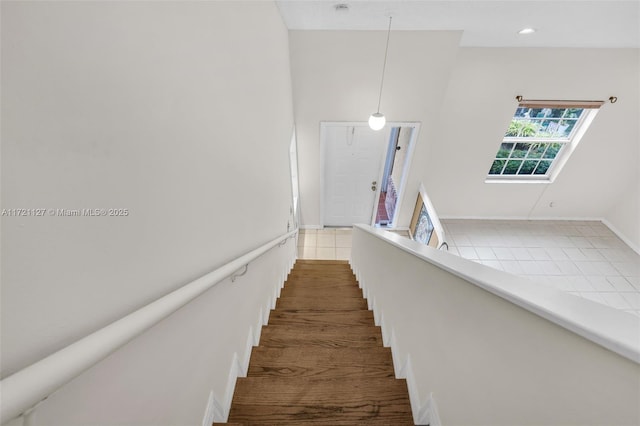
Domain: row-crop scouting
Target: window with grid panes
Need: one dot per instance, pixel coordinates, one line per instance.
(541, 135)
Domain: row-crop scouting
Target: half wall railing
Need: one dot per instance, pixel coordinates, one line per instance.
(481, 346)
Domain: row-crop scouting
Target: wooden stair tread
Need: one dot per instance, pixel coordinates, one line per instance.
(326, 290)
(313, 362)
(331, 400)
(322, 303)
(307, 279)
(324, 336)
(335, 318)
(321, 262)
(321, 359)
(315, 285)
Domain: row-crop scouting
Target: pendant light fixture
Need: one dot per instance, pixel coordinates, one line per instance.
(377, 119)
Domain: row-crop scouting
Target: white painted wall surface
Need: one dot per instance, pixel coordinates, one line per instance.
(164, 377)
(490, 361)
(336, 77)
(624, 216)
(152, 107)
(479, 103)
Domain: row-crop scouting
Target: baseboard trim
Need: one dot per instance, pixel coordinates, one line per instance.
(585, 219)
(209, 413)
(604, 221)
(620, 235)
(218, 408)
(423, 413)
(311, 227)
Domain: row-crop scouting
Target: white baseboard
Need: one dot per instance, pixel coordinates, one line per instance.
(218, 408)
(423, 413)
(429, 414)
(586, 219)
(619, 234)
(311, 227)
(604, 221)
(209, 413)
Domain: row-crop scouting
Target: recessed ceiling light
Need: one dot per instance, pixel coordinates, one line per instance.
(342, 7)
(527, 31)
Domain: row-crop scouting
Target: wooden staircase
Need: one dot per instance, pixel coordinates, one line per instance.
(321, 359)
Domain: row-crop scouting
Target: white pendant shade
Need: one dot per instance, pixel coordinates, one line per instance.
(377, 121)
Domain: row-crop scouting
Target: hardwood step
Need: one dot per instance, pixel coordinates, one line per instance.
(315, 276)
(321, 359)
(303, 262)
(334, 318)
(322, 284)
(335, 269)
(322, 303)
(315, 291)
(321, 362)
(266, 400)
(329, 269)
(283, 336)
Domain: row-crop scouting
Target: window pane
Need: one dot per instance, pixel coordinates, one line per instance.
(512, 167)
(567, 126)
(527, 167)
(520, 151)
(573, 112)
(522, 128)
(553, 150)
(535, 138)
(542, 167)
(537, 150)
(543, 122)
(505, 150)
(496, 167)
(555, 112)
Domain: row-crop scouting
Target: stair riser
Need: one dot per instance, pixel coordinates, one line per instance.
(294, 371)
(345, 304)
(306, 318)
(319, 291)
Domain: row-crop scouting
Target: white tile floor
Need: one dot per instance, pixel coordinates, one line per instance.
(329, 243)
(584, 258)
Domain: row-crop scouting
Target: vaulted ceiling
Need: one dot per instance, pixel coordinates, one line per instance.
(576, 23)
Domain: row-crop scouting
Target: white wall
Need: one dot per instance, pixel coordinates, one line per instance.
(180, 112)
(336, 77)
(494, 349)
(477, 109)
(624, 216)
(165, 376)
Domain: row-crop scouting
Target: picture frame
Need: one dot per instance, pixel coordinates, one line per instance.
(425, 226)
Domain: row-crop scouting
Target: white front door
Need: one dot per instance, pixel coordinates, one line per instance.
(353, 158)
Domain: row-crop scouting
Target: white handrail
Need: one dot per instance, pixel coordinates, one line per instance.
(605, 326)
(27, 387)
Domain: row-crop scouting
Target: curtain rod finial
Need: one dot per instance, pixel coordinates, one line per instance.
(613, 99)
(519, 98)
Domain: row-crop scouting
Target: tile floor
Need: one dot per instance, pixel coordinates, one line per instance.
(329, 243)
(584, 258)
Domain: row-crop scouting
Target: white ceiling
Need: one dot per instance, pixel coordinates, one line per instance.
(559, 23)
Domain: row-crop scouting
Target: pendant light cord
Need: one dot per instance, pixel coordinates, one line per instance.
(384, 66)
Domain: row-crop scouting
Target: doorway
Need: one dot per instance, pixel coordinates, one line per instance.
(359, 168)
(394, 174)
